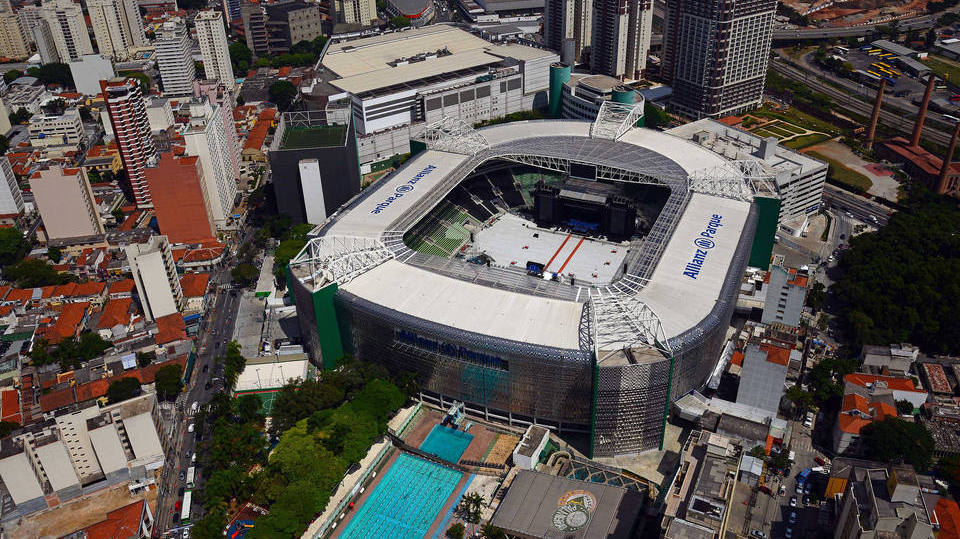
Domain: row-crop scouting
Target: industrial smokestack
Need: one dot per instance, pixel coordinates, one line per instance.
(947, 159)
(922, 115)
(876, 112)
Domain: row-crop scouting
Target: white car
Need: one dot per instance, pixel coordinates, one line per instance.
(190, 428)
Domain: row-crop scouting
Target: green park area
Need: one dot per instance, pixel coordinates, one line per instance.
(841, 174)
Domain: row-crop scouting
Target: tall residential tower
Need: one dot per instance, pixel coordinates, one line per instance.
(69, 29)
(567, 27)
(131, 127)
(214, 48)
(174, 57)
(117, 25)
(715, 54)
(620, 37)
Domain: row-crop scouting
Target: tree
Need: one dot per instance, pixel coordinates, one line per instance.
(123, 389)
(13, 246)
(169, 381)
(233, 363)
(894, 440)
(456, 531)
(4, 145)
(244, 274)
(201, 73)
(240, 57)
(399, 22)
(21, 116)
(489, 531)
(54, 254)
(53, 73)
(7, 427)
(282, 93)
(758, 452)
(779, 460)
(654, 116)
(144, 79)
(817, 296)
(12, 75)
(471, 507)
(117, 214)
(904, 407)
(33, 273)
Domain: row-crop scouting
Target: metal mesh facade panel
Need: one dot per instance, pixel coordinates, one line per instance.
(533, 382)
(630, 404)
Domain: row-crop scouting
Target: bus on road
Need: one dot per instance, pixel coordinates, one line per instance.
(191, 471)
(185, 510)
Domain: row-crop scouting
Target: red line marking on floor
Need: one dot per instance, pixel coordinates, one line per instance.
(579, 243)
(565, 240)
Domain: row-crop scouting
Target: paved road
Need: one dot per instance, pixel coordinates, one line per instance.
(216, 331)
(860, 208)
(923, 22)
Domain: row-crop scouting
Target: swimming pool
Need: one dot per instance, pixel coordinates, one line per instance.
(446, 443)
(405, 502)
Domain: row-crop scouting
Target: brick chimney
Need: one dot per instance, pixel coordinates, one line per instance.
(947, 159)
(876, 112)
(922, 114)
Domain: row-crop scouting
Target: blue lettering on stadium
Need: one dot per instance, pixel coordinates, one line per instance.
(450, 350)
(704, 243)
(402, 188)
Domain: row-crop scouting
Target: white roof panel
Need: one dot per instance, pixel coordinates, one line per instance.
(17, 475)
(270, 375)
(57, 464)
(469, 306)
(389, 198)
(106, 444)
(143, 436)
(680, 296)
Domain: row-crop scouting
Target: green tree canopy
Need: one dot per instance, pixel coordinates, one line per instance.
(33, 273)
(282, 93)
(894, 440)
(123, 389)
(240, 56)
(54, 254)
(12, 75)
(244, 274)
(7, 427)
(13, 246)
(20, 116)
(902, 283)
(53, 73)
(399, 22)
(168, 380)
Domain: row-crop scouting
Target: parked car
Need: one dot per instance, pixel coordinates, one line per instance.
(793, 501)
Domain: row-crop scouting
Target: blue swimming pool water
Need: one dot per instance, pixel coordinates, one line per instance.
(405, 502)
(446, 443)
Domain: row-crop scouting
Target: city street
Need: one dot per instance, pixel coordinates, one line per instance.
(215, 333)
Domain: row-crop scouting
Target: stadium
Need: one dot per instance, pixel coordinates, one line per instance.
(577, 275)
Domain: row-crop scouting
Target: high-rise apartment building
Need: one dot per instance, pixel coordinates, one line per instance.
(205, 139)
(131, 128)
(255, 27)
(29, 15)
(155, 274)
(232, 9)
(715, 54)
(66, 202)
(174, 52)
(42, 38)
(355, 11)
(13, 44)
(68, 27)
(620, 39)
(567, 27)
(218, 95)
(117, 25)
(214, 48)
(179, 200)
(11, 199)
(272, 29)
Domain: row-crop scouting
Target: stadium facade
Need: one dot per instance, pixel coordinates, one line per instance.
(603, 359)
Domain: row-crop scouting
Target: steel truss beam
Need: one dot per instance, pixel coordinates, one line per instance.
(340, 259)
(740, 180)
(604, 172)
(621, 321)
(450, 134)
(615, 119)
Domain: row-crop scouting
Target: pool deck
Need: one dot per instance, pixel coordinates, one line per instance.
(483, 439)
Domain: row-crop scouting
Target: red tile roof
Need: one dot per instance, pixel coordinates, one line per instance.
(170, 328)
(120, 524)
(116, 311)
(776, 354)
(89, 288)
(283, 71)
(194, 284)
(900, 384)
(56, 399)
(68, 322)
(856, 413)
(125, 286)
(737, 358)
(92, 390)
(948, 513)
(10, 405)
(256, 137)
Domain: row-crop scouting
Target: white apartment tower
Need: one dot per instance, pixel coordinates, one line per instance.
(206, 139)
(174, 57)
(213, 48)
(69, 30)
(217, 94)
(567, 27)
(355, 11)
(11, 199)
(13, 44)
(620, 39)
(715, 54)
(117, 25)
(155, 274)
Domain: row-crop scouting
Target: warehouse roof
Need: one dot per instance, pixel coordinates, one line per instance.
(106, 444)
(542, 505)
(57, 465)
(17, 475)
(143, 436)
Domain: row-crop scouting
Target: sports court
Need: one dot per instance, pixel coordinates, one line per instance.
(511, 241)
(446, 443)
(405, 502)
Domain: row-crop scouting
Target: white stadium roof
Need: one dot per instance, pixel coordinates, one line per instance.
(679, 301)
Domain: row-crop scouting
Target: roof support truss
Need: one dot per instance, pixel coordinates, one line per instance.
(340, 259)
(450, 134)
(615, 119)
(740, 180)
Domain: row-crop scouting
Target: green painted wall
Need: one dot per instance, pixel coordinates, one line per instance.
(559, 75)
(769, 212)
(328, 329)
(416, 147)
